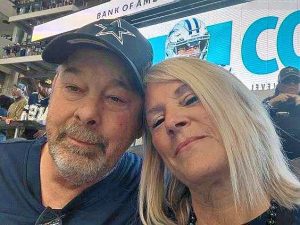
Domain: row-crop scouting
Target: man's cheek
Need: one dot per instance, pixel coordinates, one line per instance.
(122, 121)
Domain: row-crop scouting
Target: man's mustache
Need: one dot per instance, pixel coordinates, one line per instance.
(83, 134)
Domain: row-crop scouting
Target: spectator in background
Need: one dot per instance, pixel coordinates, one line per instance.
(20, 100)
(284, 108)
(36, 108)
(16, 108)
(286, 97)
(5, 102)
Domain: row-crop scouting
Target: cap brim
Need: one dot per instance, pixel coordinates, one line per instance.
(289, 75)
(60, 48)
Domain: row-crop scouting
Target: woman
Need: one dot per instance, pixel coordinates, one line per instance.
(212, 153)
(16, 108)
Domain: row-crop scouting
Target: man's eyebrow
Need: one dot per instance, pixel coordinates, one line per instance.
(71, 69)
(116, 82)
(182, 89)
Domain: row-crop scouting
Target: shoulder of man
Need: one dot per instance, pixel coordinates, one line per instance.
(15, 146)
(127, 171)
(13, 155)
(19, 146)
(130, 162)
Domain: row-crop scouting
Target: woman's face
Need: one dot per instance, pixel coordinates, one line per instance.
(184, 134)
(16, 92)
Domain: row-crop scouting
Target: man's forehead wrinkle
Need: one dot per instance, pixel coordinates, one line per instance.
(96, 55)
(111, 66)
(71, 69)
(116, 81)
(77, 69)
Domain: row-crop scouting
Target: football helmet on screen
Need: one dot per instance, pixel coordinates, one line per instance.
(189, 37)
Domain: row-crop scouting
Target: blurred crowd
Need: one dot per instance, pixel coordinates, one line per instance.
(24, 49)
(27, 6)
(6, 36)
(22, 106)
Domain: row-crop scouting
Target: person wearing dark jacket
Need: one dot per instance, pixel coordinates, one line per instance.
(284, 108)
(80, 173)
(36, 109)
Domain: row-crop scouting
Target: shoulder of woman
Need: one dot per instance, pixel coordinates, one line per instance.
(289, 217)
(24, 101)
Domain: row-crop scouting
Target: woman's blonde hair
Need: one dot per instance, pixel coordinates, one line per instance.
(258, 168)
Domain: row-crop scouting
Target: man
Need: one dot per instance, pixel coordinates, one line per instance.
(36, 109)
(286, 97)
(284, 107)
(81, 174)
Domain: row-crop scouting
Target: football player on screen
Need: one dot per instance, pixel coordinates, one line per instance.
(189, 37)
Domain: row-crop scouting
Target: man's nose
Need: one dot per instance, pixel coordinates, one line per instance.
(89, 111)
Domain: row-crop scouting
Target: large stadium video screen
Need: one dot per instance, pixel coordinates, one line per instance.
(253, 40)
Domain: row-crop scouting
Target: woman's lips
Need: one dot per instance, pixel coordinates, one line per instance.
(186, 142)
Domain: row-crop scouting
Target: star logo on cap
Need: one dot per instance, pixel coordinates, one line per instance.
(115, 29)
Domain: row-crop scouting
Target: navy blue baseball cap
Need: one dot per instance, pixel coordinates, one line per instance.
(287, 72)
(115, 35)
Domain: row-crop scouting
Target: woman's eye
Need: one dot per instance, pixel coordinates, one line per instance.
(157, 122)
(191, 100)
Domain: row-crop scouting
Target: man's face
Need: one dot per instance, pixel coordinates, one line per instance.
(93, 117)
(44, 91)
(189, 49)
(290, 85)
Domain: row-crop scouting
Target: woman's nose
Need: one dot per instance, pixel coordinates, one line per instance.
(175, 122)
